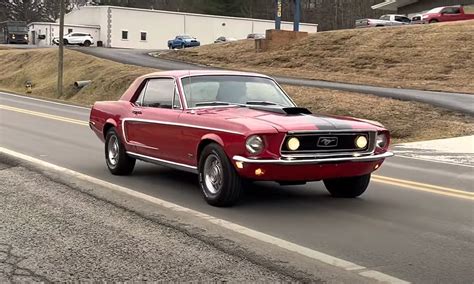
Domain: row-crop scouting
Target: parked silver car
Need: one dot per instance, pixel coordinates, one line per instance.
(383, 21)
(224, 39)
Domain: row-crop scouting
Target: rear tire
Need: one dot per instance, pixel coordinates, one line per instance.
(220, 183)
(116, 158)
(87, 43)
(350, 187)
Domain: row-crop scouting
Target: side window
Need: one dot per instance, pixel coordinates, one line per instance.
(158, 93)
(124, 34)
(402, 19)
(176, 101)
(452, 10)
(143, 36)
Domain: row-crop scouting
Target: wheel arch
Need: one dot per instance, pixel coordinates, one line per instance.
(110, 123)
(206, 140)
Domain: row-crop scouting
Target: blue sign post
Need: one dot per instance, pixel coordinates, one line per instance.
(297, 19)
(278, 14)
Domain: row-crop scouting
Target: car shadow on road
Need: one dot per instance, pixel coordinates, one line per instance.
(168, 182)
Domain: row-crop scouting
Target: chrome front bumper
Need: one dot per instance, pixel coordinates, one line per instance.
(305, 161)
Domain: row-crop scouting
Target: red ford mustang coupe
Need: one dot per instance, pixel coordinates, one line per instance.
(232, 127)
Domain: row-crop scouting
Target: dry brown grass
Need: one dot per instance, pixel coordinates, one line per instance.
(408, 121)
(427, 57)
(109, 79)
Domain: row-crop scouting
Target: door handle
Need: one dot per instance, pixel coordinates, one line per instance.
(136, 111)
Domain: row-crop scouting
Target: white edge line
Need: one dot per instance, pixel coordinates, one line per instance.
(46, 101)
(313, 254)
(432, 160)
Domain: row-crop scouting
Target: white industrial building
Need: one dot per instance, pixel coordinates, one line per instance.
(42, 33)
(125, 27)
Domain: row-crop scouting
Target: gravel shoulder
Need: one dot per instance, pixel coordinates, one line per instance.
(50, 232)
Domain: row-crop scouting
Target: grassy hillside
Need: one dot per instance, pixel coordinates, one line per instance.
(109, 79)
(408, 121)
(427, 57)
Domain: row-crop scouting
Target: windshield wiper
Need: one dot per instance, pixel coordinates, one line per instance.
(216, 103)
(262, 103)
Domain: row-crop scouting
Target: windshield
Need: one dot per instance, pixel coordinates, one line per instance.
(435, 10)
(17, 29)
(215, 90)
(185, 37)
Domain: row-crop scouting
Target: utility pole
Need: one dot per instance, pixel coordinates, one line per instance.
(61, 49)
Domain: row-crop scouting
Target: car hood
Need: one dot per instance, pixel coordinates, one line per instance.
(257, 120)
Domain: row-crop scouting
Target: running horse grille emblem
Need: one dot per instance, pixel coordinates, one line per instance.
(327, 142)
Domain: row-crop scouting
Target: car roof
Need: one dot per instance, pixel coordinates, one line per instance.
(187, 73)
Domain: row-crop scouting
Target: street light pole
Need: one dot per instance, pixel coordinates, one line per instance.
(61, 49)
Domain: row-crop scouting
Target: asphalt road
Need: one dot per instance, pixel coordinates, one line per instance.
(454, 101)
(411, 231)
(52, 233)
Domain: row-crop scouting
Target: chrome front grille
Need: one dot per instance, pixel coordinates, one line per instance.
(329, 143)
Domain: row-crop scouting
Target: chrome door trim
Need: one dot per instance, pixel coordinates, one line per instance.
(167, 163)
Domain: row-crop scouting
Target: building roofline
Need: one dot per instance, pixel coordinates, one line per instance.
(65, 24)
(188, 14)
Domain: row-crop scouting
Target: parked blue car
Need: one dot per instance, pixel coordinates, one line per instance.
(183, 41)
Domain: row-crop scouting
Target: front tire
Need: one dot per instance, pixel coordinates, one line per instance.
(87, 43)
(116, 158)
(350, 187)
(434, 21)
(220, 183)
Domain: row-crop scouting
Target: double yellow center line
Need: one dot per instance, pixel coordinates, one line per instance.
(424, 187)
(380, 179)
(45, 115)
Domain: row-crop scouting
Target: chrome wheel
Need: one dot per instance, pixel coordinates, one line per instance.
(113, 150)
(213, 174)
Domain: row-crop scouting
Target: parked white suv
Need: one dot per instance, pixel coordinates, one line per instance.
(76, 38)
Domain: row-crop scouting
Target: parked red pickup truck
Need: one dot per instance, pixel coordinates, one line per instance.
(446, 14)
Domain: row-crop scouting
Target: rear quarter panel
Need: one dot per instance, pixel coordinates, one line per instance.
(108, 113)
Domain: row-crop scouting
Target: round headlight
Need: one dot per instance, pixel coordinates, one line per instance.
(13, 36)
(254, 144)
(381, 140)
(293, 144)
(361, 142)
